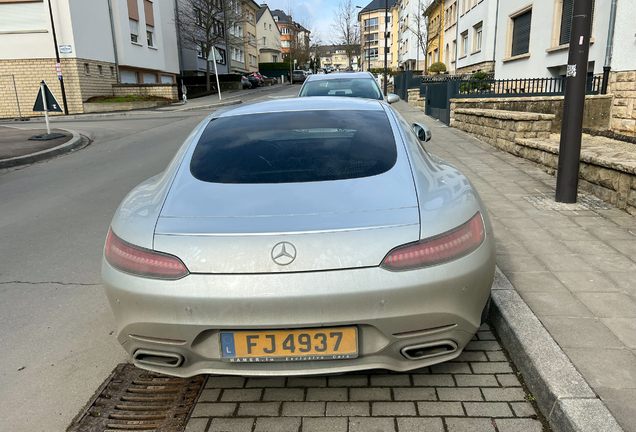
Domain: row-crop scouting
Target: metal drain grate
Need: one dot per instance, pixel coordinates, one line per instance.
(589, 202)
(133, 399)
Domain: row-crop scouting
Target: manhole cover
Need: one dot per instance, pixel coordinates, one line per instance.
(582, 204)
(133, 399)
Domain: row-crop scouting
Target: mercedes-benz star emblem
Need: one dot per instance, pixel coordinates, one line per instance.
(284, 253)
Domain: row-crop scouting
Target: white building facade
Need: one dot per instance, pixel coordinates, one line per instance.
(469, 35)
(533, 37)
(411, 22)
(134, 41)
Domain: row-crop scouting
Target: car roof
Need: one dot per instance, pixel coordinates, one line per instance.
(316, 103)
(342, 75)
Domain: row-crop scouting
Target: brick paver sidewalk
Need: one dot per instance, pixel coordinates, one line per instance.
(476, 392)
(576, 269)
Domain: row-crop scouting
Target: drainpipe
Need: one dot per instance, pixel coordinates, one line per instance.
(494, 47)
(177, 25)
(608, 50)
(456, 37)
(112, 32)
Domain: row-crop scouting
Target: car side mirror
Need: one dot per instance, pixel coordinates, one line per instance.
(423, 133)
(392, 98)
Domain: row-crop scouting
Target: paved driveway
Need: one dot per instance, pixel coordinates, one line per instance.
(478, 391)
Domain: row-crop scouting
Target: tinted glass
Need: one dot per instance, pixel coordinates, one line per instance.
(353, 87)
(298, 146)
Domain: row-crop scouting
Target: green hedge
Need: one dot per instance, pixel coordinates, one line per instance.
(273, 66)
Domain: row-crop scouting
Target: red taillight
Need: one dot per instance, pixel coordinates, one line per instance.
(437, 250)
(142, 262)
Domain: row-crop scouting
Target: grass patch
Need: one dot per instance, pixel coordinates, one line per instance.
(127, 98)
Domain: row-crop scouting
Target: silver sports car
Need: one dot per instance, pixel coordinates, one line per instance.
(300, 236)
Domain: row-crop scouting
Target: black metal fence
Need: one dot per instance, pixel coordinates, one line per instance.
(521, 87)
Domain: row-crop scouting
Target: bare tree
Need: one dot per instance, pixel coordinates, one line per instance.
(345, 31)
(203, 24)
(427, 32)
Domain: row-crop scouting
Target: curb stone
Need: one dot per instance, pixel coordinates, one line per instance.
(68, 146)
(562, 394)
(220, 105)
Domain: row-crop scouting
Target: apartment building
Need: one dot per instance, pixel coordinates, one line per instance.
(533, 37)
(250, 7)
(335, 56)
(374, 29)
(294, 37)
(268, 37)
(472, 23)
(139, 48)
(434, 14)
(412, 34)
(192, 25)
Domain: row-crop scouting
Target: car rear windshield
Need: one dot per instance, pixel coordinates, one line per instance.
(353, 87)
(297, 146)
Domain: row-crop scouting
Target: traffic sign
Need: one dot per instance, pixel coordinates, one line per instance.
(51, 103)
(58, 69)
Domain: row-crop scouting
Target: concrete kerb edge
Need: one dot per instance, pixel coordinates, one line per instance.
(562, 394)
(214, 105)
(68, 146)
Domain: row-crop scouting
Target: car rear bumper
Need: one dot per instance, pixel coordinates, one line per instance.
(441, 304)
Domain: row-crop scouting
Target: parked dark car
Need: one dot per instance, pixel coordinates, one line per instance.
(298, 76)
(245, 82)
(254, 81)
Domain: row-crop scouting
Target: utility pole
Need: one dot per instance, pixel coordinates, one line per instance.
(57, 56)
(386, 44)
(573, 103)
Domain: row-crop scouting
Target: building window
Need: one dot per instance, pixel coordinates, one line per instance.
(99, 70)
(566, 21)
(149, 35)
(264, 26)
(264, 41)
(276, 18)
(275, 58)
(521, 34)
(200, 51)
(464, 43)
(87, 69)
(477, 37)
(371, 25)
(134, 30)
(198, 17)
(371, 54)
(221, 59)
(371, 39)
(112, 71)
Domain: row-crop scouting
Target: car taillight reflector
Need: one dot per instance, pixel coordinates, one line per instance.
(449, 246)
(142, 262)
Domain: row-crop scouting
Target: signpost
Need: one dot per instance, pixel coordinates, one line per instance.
(216, 53)
(46, 102)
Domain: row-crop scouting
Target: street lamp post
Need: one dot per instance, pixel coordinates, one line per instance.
(386, 43)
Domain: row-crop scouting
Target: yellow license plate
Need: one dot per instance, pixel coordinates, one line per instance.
(290, 345)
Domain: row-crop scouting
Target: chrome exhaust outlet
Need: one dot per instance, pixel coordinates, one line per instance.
(428, 350)
(156, 358)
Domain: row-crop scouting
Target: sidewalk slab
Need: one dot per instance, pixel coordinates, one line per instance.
(573, 268)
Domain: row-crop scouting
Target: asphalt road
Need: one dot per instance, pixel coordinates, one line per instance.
(57, 335)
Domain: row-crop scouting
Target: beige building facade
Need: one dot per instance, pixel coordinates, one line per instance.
(92, 60)
(267, 37)
(250, 8)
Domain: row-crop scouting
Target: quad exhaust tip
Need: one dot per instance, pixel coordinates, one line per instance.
(157, 358)
(428, 350)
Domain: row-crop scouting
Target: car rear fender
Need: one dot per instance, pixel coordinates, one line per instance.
(137, 215)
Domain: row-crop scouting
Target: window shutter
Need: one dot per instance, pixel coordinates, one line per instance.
(133, 10)
(521, 34)
(566, 21)
(150, 16)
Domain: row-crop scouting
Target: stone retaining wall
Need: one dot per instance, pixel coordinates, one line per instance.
(607, 173)
(164, 90)
(596, 114)
(415, 99)
(623, 86)
(120, 106)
